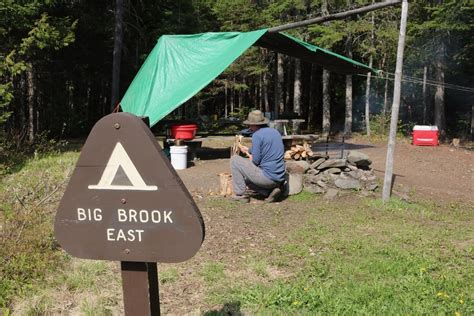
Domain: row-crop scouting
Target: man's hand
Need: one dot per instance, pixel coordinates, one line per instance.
(244, 149)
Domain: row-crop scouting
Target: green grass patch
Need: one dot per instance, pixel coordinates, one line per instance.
(212, 272)
(370, 259)
(29, 198)
(259, 267)
(169, 275)
(303, 196)
(83, 276)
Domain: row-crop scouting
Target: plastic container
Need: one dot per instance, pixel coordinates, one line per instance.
(425, 135)
(179, 157)
(184, 131)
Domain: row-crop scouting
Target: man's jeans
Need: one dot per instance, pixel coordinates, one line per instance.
(245, 173)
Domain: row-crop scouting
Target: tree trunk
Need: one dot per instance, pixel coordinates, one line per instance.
(326, 76)
(289, 84)
(276, 88)
(117, 54)
(369, 74)
(348, 112)
(265, 92)
(439, 110)
(226, 114)
(335, 16)
(297, 88)
(425, 74)
(260, 89)
(30, 100)
(348, 117)
(232, 91)
(385, 98)
(367, 99)
(472, 122)
(326, 103)
(387, 183)
(311, 105)
(281, 79)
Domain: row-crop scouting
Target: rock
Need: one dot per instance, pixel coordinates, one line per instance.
(347, 183)
(352, 167)
(333, 163)
(359, 159)
(312, 172)
(371, 178)
(309, 178)
(356, 174)
(295, 183)
(297, 166)
(318, 177)
(314, 189)
(331, 194)
(371, 186)
(332, 171)
(315, 164)
(321, 183)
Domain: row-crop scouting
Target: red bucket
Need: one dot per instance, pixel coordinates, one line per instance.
(184, 131)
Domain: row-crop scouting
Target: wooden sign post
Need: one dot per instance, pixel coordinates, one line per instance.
(125, 202)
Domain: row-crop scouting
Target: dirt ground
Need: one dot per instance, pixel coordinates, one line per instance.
(233, 233)
(441, 174)
(237, 235)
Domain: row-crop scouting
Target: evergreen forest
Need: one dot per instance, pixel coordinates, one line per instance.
(65, 64)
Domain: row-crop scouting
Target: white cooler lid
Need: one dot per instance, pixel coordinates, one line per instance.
(425, 128)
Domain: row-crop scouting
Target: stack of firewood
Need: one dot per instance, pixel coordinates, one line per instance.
(297, 152)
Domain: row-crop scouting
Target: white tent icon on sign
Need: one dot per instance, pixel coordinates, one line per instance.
(121, 168)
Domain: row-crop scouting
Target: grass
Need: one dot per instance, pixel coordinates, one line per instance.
(374, 259)
(212, 272)
(29, 198)
(169, 275)
(305, 255)
(76, 289)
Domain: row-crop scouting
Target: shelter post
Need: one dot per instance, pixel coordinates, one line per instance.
(387, 183)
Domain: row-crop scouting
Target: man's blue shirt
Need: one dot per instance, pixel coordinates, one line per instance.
(268, 152)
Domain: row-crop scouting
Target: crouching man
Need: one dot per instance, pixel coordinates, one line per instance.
(264, 169)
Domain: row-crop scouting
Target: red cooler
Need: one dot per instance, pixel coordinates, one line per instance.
(425, 135)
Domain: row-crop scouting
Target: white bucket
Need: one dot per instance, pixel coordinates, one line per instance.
(179, 157)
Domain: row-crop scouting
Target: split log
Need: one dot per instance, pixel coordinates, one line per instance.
(226, 188)
(236, 145)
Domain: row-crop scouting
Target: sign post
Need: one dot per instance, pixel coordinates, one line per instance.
(125, 202)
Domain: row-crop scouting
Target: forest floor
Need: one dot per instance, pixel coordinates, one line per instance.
(307, 254)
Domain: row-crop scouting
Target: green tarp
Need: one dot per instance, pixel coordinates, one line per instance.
(179, 66)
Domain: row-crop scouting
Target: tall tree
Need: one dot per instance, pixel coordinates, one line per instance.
(297, 88)
(326, 92)
(348, 109)
(117, 53)
(369, 74)
(438, 35)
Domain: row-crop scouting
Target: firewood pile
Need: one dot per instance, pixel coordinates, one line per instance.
(328, 176)
(298, 152)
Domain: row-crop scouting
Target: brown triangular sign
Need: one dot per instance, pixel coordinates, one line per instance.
(125, 201)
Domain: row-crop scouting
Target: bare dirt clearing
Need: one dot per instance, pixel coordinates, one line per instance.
(441, 174)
